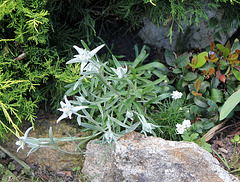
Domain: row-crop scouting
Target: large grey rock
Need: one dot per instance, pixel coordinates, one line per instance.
(150, 159)
(193, 36)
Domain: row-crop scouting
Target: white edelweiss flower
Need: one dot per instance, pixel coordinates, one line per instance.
(109, 136)
(146, 127)
(186, 123)
(68, 109)
(22, 140)
(84, 56)
(129, 115)
(176, 95)
(120, 71)
(180, 128)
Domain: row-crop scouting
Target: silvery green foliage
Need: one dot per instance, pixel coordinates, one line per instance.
(111, 98)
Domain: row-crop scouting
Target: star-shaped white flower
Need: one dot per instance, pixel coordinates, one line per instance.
(22, 140)
(68, 109)
(84, 56)
(146, 127)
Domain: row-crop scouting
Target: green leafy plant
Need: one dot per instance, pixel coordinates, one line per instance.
(15, 106)
(27, 81)
(27, 19)
(208, 79)
(170, 13)
(232, 165)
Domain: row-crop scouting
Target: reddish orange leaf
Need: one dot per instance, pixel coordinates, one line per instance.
(205, 72)
(237, 51)
(207, 59)
(220, 76)
(211, 71)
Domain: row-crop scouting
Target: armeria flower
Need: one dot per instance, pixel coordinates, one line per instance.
(84, 56)
(68, 109)
(176, 95)
(183, 127)
(186, 123)
(180, 129)
(22, 140)
(120, 71)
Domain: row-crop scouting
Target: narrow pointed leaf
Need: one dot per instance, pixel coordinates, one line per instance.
(119, 122)
(52, 139)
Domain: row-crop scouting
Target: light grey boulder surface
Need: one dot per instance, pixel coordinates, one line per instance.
(149, 159)
(193, 36)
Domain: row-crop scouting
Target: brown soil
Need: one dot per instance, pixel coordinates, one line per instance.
(224, 147)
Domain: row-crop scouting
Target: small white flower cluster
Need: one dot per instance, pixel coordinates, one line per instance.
(176, 95)
(183, 127)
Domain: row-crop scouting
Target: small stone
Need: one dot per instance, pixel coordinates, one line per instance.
(223, 150)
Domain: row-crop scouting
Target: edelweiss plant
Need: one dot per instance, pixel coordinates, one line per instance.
(110, 98)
